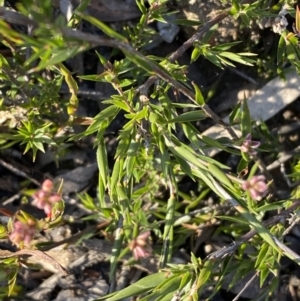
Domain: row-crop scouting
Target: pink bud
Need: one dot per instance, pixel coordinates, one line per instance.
(23, 232)
(46, 197)
(256, 187)
(47, 185)
(248, 146)
(140, 246)
(54, 198)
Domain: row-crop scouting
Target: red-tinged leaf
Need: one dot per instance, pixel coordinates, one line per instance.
(6, 212)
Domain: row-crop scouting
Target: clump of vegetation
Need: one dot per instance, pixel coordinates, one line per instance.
(159, 146)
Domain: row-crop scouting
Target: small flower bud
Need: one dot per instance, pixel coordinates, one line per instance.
(140, 247)
(23, 232)
(256, 187)
(248, 146)
(45, 197)
(47, 185)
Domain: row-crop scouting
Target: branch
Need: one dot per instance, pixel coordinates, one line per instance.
(133, 55)
(226, 251)
(36, 253)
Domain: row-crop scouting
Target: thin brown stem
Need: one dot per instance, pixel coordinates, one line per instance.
(269, 222)
(197, 36)
(156, 69)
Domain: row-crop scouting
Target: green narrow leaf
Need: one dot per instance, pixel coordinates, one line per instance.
(101, 193)
(253, 170)
(39, 145)
(12, 282)
(209, 34)
(225, 46)
(195, 54)
(123, 146)
(138, 115)
(225, 61)
(214, 59)
(102, 162)
(205, 273)
(241, 270)
(263, 253)
(73, 88)
(220, 176)
(199, 97)
(259, 228)
(268, 207)
(166, 291)
(215, 143)
(189, 116)
(121, 104)
(263, 276)
(130, 164)
(235, 219)
(246, 119)
(106, 29)
(142, 286)
(103, 117)
(139, 60)
(108, 112)
(142, 61)
(237, 58)
(115, 173)
(235, 8)
(245, 19)
(192, 134)
(186, 154)
(165, 163)
(185, 279)
(141, 6)
(59, 55)
(166, 253)
(243, 164)
(102, 59)
(185, 167)
(291, 52)
(40, 53)
(234, 115)
(204, 176)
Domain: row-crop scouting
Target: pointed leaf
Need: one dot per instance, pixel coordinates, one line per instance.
(199, 97)
(189, 116)
(205, 273)
(220, 176)
(102, 162)
(263, 276)
(108, 30)
(262, 255)
(141, 6)
(195, 54)
(246, 119)
(140, 287)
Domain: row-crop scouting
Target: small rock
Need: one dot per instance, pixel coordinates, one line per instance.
(76, 179)
(168, 31)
